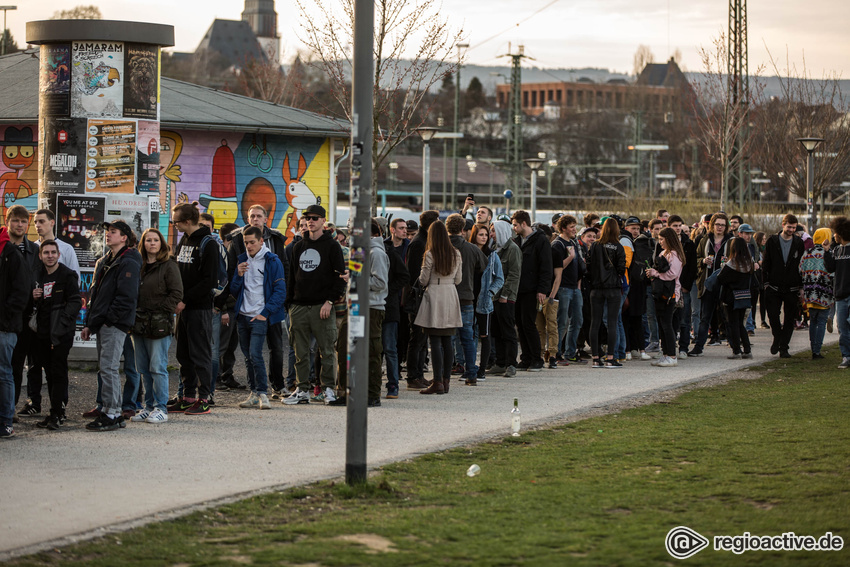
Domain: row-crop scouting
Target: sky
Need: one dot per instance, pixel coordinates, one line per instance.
(556, 33)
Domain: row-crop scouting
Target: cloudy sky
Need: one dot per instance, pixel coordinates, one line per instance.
(557, 33)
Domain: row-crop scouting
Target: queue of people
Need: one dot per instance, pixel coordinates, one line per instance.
(472, 296)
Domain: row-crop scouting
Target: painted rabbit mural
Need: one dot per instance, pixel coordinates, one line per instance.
(298, 195)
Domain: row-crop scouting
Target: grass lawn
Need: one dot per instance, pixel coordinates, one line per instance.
(765, 456)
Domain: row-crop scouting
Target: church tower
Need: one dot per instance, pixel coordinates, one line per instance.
(261, 16)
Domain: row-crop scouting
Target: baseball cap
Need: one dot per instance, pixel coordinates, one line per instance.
(317, 210)
(745, 228)
(122, 227)
(632, 220)
(412, 225)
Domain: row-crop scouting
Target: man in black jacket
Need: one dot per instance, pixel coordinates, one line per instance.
(416, 345)
(17, 223)
(783, 283)
(535, 284)
(398, 279)
(276, 243)
(57, 296)
(110, 315)
(198, 265)
(686, 280)
(14, 289)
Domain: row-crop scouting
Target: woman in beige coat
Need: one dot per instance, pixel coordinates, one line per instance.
(439, 312)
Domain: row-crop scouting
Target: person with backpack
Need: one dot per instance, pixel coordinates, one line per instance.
(606, 264)
(817, 288)
(198, 259)
(260, 289)
(736, 278)
(666, 291)
(711, 254)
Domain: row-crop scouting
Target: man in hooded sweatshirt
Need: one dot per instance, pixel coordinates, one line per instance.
(504, 308)
(378, 285)
(260, 289)
(198, 267)
(315, 282)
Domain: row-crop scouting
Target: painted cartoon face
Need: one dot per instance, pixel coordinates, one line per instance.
(301, 196)
(18, 157)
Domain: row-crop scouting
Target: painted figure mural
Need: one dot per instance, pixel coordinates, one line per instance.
(19, 176)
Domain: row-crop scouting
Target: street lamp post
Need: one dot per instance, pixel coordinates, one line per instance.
(534, 164)
(426, 133)
(5, 37)
(810, 143)
(393, 168)
(460, 46)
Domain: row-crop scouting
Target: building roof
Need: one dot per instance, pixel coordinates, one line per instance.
(662, 75)
(184, 105)
(234, 40)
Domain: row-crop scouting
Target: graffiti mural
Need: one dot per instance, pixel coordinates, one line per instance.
(227, 172)
(19, 171)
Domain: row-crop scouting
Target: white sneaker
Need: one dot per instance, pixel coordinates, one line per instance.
(658, 361)
(644, 356)
(141, 416)
(668, 361)
(157, 416)
(298, 397)
(263, 402)
(683, 354)
(330, 396)
(628, 356)
(653, 347)
(253, 402)
(845, 363)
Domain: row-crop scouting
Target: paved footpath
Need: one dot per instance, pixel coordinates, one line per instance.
(64, 486)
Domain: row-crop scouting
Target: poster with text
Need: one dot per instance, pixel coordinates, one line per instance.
(64, 171)
(135, 210)
(111, 156)
(96, 79)
(147, 156)
(140, 81)
(78, 223)
(54, 80)
(86, 277)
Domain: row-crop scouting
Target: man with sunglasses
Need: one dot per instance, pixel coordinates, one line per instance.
(314, 282)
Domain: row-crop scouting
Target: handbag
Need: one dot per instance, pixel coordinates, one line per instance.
(153, 325)
(743, 298)
(414, 298)
(663, 290)
(711, 282)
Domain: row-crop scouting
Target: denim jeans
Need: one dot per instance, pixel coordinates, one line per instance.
(651, 316)
(111, 342)
(132, 383)
(620, 334)
(696, 307)
(570, 319)
(152, 364)
(817, 328)
(252, 337)
(685, 322)
(467, 340)
(842, 316)
(389, 336)
(7, 383)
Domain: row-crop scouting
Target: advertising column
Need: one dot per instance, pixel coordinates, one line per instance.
(99, 104)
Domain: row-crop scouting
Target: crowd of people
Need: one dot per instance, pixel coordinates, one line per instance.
(471, 296)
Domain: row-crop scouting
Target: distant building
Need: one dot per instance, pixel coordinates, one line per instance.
(237, 42)
(659, 88)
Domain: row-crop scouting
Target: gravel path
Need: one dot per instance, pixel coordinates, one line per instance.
(61, 487)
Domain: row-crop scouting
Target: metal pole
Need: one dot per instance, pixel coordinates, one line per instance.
(4, 31)
(426, 177)
(452, 204)
(652, 175)
(361, 201)
(533, 205)
(445, 179)
(810, 190)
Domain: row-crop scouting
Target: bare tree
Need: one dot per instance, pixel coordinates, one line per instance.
(643, 57)
(721, 120)
(806, 108)
(78, 13)
(401, 86)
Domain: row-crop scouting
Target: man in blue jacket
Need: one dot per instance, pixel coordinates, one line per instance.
(260, 290)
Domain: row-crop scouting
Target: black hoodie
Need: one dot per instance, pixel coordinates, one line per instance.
(536, 272)
(315, 271)
(198, 272)
(114, 291)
